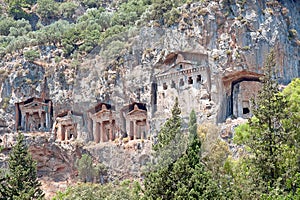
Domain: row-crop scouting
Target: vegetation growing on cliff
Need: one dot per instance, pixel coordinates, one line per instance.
(58, 23)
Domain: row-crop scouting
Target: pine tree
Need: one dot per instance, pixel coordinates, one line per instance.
(21, 181)
(184, 178)
(170, 129)
(158, 182)
(192, 179)
(268, 137)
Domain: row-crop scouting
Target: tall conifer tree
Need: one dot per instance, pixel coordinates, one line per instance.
(21, 181)
(186, 177)
(268, 137)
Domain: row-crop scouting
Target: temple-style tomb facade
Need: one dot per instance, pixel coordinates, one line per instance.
(102, 122)
(185, 75)
(65, 128)
(34, 114)
(136, 121)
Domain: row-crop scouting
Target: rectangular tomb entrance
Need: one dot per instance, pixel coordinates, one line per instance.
(34, 114)
(64, 126)
(136, 121)
(103, 124)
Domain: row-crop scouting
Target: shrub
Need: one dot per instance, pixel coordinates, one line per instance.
(47, 9)
(246, 48)
(125, 140)
(67, 9)
(31, 55)
(292, 33)
(5, 102)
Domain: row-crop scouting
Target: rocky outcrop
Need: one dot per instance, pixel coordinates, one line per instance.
(122, 161)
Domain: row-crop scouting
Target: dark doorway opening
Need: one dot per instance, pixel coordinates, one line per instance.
(230, 104)
(246, 111)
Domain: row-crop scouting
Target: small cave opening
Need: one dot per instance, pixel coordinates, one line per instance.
(154, 96)
(173, 85)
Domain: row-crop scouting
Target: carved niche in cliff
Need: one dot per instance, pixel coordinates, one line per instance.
(185, 75)
(65, 127)
(241, 87)
(136, 120)
(34, 114)
(102, 122)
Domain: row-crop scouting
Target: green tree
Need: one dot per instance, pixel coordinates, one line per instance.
(268, 137)
(292, 122)
(5, 24)
(31, 55)
(21, 182)
(91, 3)
(112, 191)
(67, 9)
(21, 27)
(86, 169)
(186, 177)
(270, 140)
(47, 9)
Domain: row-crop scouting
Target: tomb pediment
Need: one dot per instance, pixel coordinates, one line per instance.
(106, 114)
(100, 107)
(35, 104)
(138, 112)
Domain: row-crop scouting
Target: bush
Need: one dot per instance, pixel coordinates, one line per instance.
(5, 24)
(292, 33)
(31, 55)
(67, 9)
(47, 9)
(20, 28)
(85, 168)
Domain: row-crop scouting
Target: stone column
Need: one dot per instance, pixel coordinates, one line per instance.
(59, 132)
(17, 117)
(95, 131)
(134, 129)
(42, 120)
(111, 131)
(143, 131)
(23, 124)
(26, 121)
(102, 132)
(47, 120)
(66, 133)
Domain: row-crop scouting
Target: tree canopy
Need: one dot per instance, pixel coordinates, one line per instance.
(21, 181)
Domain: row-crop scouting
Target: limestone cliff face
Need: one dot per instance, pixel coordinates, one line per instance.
(221, 46)
(234, 36)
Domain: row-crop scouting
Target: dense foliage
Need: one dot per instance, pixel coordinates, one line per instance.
(21, 181)
(112, 191)
(179, 175)
(78, 26)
